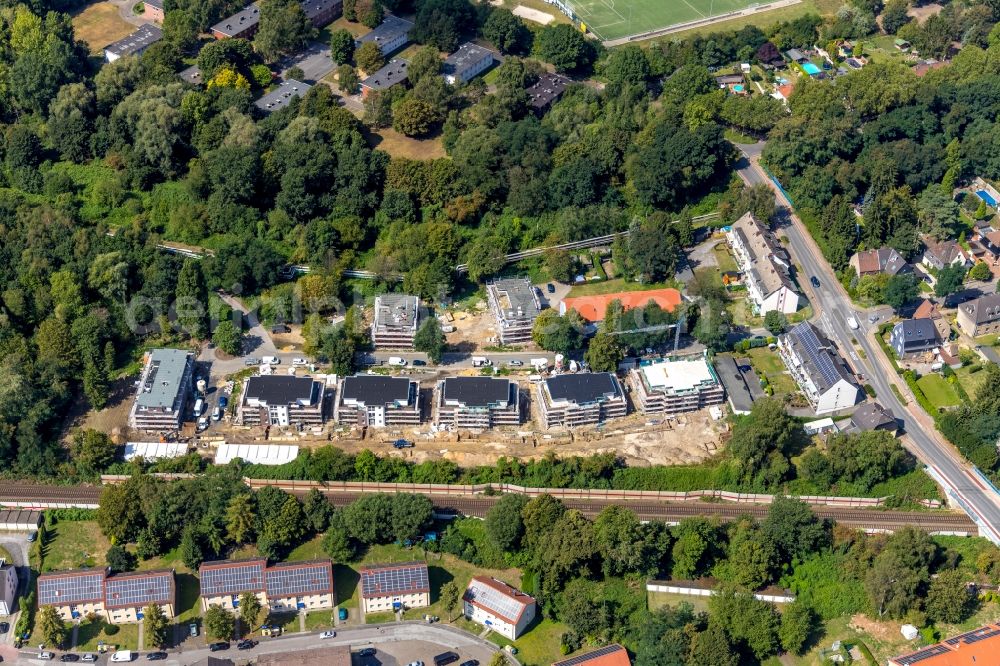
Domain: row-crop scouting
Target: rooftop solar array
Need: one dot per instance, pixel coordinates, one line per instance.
(232, 577)
(65, 589)
(139, 590)
(389, 579)
(590, 656)
(975, 636)
(500, 603)
(916, 657)
(817, 352)
(290, 581)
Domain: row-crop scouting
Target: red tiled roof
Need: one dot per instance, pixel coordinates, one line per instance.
(592, 308)
(609, 655)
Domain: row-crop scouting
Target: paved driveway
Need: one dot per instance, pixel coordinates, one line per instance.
(16, 543)
(315, 62)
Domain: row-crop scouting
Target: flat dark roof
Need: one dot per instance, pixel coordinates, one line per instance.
(584, 387)
(547, 89)
(376, 389)
(477, 391)
(280, 97)
(138, 40)
(238, 22)
(392, 73)
(279, 390)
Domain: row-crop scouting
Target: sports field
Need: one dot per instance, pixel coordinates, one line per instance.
(614, 19)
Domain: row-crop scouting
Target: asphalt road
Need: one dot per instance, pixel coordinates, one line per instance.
(833, 307)
(398, 643)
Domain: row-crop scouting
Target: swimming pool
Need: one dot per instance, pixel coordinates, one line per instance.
(987, 197)
(738, 88)
(810, 69)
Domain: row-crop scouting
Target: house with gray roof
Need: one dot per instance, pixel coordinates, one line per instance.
(282, 96)
(378, 401)
(821, 373)
(884, 260)
(390, 35)
(980, 316)
(913, 336)
(134, 43)
(392, 73)
(873, 416)
(162, 391)
(515, 306)
(397, 320)
(465, 64)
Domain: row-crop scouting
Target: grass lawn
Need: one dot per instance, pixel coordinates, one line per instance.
(99, 24)
(539, 646)
(723, 258)
(938, 391)
(310, 550)
(5, 555)
(611, 287)
(763, 19)
(125, 636)
(970, 381)
(656, 600)
(397, 145)
(74, 545)
(289, 622)
(769, 364)
(188, 597)
(319, 620)
(380, 618)
(735, 136)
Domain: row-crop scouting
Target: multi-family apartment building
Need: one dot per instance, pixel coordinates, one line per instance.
(397, 319)
(377, 400)
(119, 598)
(580, 399)
(163, 391)
(498, 606)
(515, 306)
(281, 400)
(675, 385)
(282, 587)
(819, 370)
(477, 403)
(396, 586)
(765, 265)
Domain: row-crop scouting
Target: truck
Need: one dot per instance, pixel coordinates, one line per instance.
(481, 362)
(397, 361)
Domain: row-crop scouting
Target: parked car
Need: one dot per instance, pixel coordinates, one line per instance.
(4, 627)
(328, 634)
(193, 628)
(415, 663)
(397, 361)
(121, 656)
(46, 656)
(156, 656)
(202, 423)
(223, 401)
(342, 614)
(366, 652)
(403, 444)
(551, 288)
(217, 413)
(218, 647)
(417, 362)
(252, 361)
(246, 644)
(814, 280)
(90, 656)
(299, 362)
(32, 536)
(69, 656)
(471, 662)
(515, 363)
(271, 360)
(445, 658)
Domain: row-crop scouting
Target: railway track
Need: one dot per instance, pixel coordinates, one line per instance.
(27, 495)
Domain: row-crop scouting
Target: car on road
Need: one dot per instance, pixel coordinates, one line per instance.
(814, 280)
(299, 362)
(403, 444)
(121, 656)
(551, 288)
(417, 362)
(46, 656)
(328, 634)
(156, 656)
(246, 644)
(515, 363)
(69, 656)
(853, 323)
(397, 361)
(218, 647)
(271, 360)
(366, 652)
(90, 656)
(252, 361)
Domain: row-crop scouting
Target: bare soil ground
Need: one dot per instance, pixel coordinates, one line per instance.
(473, 328)
(288, 342)
(99, 24)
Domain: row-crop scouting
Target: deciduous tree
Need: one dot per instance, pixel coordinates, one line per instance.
(154, 626)
(219, 623)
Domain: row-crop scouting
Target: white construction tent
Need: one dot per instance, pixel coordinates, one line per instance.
(259, 454)
(154, 450)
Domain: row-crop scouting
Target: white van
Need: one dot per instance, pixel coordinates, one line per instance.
(397, 361)
(539, 363)
(122, 655)
(299, 362)
(270, 360)
(853, 323)
(480, 362)
(217, 414)
(199, 407)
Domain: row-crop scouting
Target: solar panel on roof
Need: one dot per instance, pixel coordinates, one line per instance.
(232, 579)
(393, 580)
(501, 604)
(980, 636)
(917, 657)
(583, 658)
(63, 590)
(290, 582)
(138, 590)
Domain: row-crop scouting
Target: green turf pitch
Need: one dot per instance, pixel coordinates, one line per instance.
(612, 19)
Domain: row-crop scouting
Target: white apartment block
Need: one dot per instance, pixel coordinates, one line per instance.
(393, 587)
(498, 606)
(672, 386)
(765, 265)
(397, 319)
(818, 369)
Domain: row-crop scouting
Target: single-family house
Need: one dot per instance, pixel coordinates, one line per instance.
(937, 255)
(498, 606)
(929, 310)
(980, 316)
(913, 336)
(873, 416)
(884, 260)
